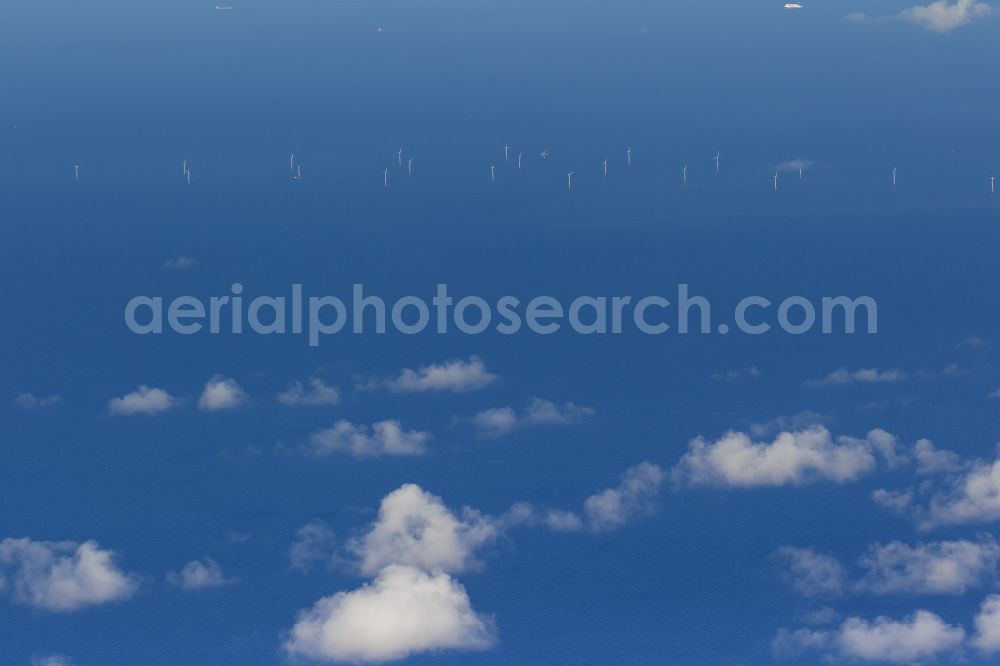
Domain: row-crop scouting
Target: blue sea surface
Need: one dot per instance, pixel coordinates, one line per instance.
(127, 90)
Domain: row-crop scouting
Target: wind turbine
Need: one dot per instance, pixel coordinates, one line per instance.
(399, 157)
(493, 173)
(628, 156)
(386, 178)
(184, 167)
(894, 176)
(569, 181)
(506, 152)
(76, 173)
(298, 172)
(775, 181)
(409, 166)
(291, 162)
(718, 154)
(605, 167)
(684, 174)
(993, 184)
(800, 171)
(519, 157)
(189, 176)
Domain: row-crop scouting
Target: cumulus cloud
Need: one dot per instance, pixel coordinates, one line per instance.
(314, 394)
(199, 575)
(792, 458)
(897, 501)
(960, 492)
(813, 574)
(143, 400)
(931, 460)
(314, 544)
(634, 495)
(563, 521)
(944, 16)
(943, 567)
(987, 636)
(62, 576)
(843, 377)
(384, 438)
(28, 401)
(972, 496)
(501, 421)
(456, 376)
(918, 637)
(222, 393)
(415, 528)
(404, 611)
(922, 635)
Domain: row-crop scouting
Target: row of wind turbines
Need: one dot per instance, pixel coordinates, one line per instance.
(295, 169)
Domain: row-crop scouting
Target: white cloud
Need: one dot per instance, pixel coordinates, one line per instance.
(314, 544)
(28, 401)
(843, 377)
(634, 495)
(415, 528)
(385, 438)
(795, 165)
(973, 496)
(62, 576)
(222, 393)
(798, 421)
(790, 643)
(987, 637)
(919, 637)
(813, 574)
(316, 394)
(144, 400)
(179, 263)
(501, 421)
(943, 567)
(940, 16)
(859, 17)
(51, 660)
(793, 458)
(944, 16)
(563, 521)
(403, 612)
(199, 575)
(931, 460)
(897, 501)
(974, 342)
(456, 376)
(819, 616)
(922, 635)
(887, 447)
